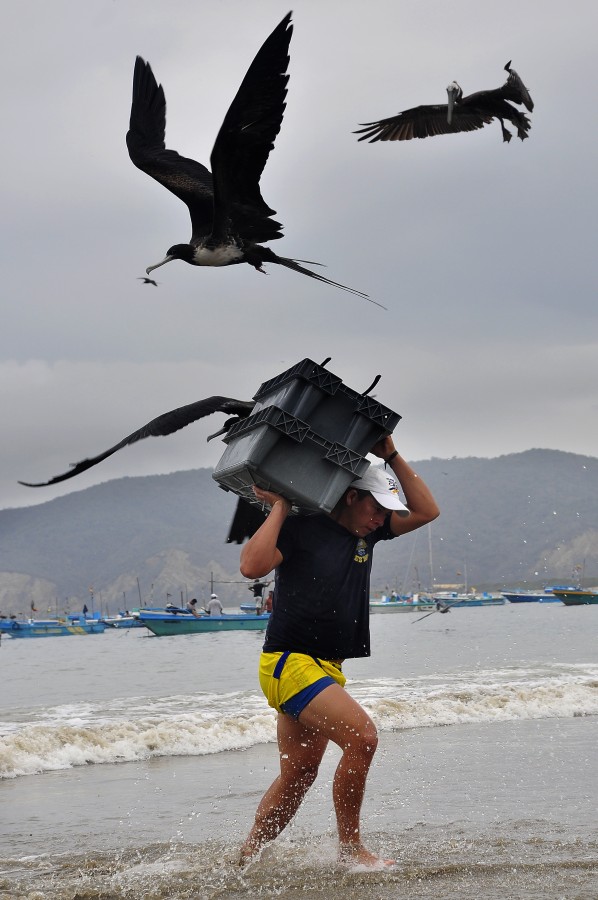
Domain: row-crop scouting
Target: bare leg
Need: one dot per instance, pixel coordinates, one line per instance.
(301, 751)
(336, 715)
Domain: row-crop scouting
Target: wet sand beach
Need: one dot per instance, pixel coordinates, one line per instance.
(492, 794)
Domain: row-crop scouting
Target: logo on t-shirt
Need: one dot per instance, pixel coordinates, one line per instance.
(361, 552)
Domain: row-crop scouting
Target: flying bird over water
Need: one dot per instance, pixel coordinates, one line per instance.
(229, 218)
(148, 281)
(165, 424)
(459, 114)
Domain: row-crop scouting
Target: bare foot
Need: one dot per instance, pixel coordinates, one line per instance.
(248, 852)
(357, 855)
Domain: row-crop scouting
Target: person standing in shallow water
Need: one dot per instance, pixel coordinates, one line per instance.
(320, 617)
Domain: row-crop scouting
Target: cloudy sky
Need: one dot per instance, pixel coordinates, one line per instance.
(483, 252)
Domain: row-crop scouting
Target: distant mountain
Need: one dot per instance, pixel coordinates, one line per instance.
(524, 518)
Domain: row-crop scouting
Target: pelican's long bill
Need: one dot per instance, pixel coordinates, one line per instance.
(453, 92)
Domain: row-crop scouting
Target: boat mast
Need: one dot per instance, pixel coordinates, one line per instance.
(430, 557)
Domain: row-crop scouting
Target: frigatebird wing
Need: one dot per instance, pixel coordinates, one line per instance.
(245, 140)
(187, 179)
(423, 122)
(246, 521)
(165, 424)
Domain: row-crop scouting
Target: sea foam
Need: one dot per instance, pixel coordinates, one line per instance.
(130, 729)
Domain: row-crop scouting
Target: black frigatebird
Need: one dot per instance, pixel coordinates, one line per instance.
(165, 424)
(247, 518)
(459, 114)
(229, 218)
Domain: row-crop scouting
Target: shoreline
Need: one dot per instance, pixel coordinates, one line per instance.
(469, 811)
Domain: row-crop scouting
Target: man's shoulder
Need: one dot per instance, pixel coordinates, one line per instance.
(305, 526)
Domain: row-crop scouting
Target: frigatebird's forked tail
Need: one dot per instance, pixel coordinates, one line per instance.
(229, 218)
(460, 114)
(165, 424)
(257, 255)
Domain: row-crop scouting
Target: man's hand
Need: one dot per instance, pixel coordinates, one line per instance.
(383, 448)
(270, 498)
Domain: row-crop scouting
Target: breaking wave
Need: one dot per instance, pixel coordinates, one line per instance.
(130, 729)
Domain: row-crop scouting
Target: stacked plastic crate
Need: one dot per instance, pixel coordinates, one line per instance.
(306, 438)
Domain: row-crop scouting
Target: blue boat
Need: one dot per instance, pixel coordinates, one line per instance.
(412, 603)
(577, 596)
(248, 608)
(33, 628)
(122, 620)
(165, 622)
(546, 595)
(456, 599)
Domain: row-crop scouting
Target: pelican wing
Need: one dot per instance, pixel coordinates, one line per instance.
(245, 140)
(165, 424)
(423, 122)
(189, 180)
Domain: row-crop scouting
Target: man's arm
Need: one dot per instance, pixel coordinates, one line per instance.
(260, 554)
(418, 497)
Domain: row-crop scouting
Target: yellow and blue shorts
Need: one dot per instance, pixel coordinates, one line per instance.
(290, 680)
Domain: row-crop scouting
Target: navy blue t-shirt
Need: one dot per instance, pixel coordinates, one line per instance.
(322, 589)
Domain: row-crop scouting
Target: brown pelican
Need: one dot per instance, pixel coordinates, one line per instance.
(459, 114)
(229, 218)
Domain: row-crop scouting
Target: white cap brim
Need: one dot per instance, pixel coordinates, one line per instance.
(384, 489)
(388, 501)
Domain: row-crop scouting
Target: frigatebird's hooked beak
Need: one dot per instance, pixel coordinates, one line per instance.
(454, 93)
(157, 265)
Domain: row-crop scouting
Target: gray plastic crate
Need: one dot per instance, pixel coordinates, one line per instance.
(331, 409)
(279, 452)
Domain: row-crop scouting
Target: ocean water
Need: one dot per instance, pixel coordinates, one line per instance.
(131, 766)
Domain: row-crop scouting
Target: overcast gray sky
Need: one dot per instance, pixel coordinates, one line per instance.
(483, 252)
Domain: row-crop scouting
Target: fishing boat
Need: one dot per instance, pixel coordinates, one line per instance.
(401, 604)
(165, 622)
(248, 608)
(546, 595)
(122, 620)
(577, 596)
(34, 628)
(456, 599)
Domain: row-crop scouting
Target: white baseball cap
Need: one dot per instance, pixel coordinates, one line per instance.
(383, 488)
(213, 596)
